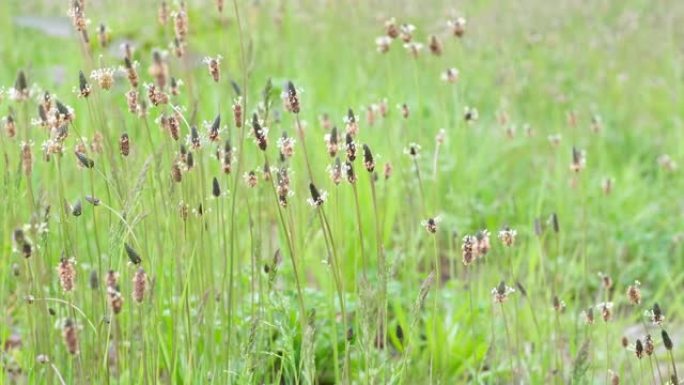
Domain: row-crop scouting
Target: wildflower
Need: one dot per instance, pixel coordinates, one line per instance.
(483, 245)
(430, 224)
(103, 35)
(667, 163)
(214, 128)
(96, 143)
(194, 138)
(260, 133)
(104, 77)
(368, 161)
(317, 197)
(596, 123)
(625, 342)
(77, 208)
(606, 281)
(131, 72)
(501, 292)
(351, 147)
(159, 70)
(286, 145)
(290, 98)
(469, 249)
(554, 222)
(371, 114)
(614, 378)
(507, 236)
(406, 32)
(588, 316)
(571, 117)
(450, 75)
(639, 349)
(634, 293)
(132, 101)
(20, 92)
(227, 160)
(649, 347)
(404, 110)
(383, 43)
(124, 144)
(70, 335)
(457, 26)
(27, 157)
(387, 170)
(349, 170)
(77, 14)
(112, 279)
(606, 310)
(176, 172)
(10, 126)
(391, 28)
(84, 161)
(335, 171)
(83, 86)
(413, 150)
(413, 48)
(558, 304)
(510, 131)
(214, 66)
(92, 200)
(440, 137)
(470, 114)
(435, 45)
(529, 131)
(175, 86)
(331, 141)
(578, 160)
(283, 186)
(178, 47)
(607, 186)
(67, 274)
(237, 111)
(351, 125)
(656, 315)
(156, 95)
(250, 179)
(115, 299)
(180, 25)
(555, 139)
(163, 13)
(139, 285)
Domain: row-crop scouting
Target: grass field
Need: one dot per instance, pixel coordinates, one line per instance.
(341, 192)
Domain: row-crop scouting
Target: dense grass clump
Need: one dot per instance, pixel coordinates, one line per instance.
(302, 192)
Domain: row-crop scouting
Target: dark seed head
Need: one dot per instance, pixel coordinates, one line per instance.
(133, 255)
(85, 161)
(92, 200)
(667, 342)
(368, 158)
(77, 208)
(124, 144)
(94, 280)
(215, 188)
(639, 349)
